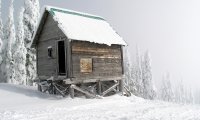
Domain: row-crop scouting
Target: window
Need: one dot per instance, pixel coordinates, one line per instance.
(50, 52)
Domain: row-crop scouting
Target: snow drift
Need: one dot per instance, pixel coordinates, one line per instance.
(22, 103)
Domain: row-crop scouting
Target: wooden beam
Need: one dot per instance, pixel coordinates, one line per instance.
(72, 91)
(107, 86)
(66, 55)
(57, 61)
(99, 87)
(90, 80)
(127, 91)
(110, 89)
(71, 61)
(122, 59)
(68, 58)
(36, 59)
(39, 87)
(84, 91)
(61, 92)
(121, 86)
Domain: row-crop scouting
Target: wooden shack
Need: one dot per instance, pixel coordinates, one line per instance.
(78, 49)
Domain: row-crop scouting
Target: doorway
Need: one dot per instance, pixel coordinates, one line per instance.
(61, 58)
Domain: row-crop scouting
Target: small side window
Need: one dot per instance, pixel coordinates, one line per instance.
(50, 52)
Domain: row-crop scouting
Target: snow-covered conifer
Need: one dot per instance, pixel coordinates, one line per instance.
(166, 92)
(138, 74)
(30, 19)
(148, 91)
(130, 73)
(1, 42)
(9, 39)
(189, 95)
(127, 69)
(180, 92)
(20, 52)
(2, 47)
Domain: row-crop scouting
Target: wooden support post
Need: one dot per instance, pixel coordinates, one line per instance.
(121, 86)
(117, 88)
(99, 87)
(39, 87)
(54, 90)
(72, 91)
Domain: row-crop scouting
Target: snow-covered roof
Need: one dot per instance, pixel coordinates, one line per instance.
(84, 27)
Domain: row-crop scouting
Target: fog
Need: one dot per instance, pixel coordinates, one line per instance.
(169, 29)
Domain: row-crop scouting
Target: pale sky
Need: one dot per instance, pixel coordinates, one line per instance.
(169, 29)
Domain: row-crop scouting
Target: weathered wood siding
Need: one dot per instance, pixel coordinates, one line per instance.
(107, 61)
(49, 34)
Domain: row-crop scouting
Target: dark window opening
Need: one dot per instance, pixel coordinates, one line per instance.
(61, 58)
(50, 52)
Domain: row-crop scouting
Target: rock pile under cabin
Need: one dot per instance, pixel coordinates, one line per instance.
(77, 54)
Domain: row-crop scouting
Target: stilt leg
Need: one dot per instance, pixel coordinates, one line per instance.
(99, 87)
(39, 87)
(72, 91)
(121, 86)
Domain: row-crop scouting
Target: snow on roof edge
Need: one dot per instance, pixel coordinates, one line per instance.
(49, 8)
(83, 14)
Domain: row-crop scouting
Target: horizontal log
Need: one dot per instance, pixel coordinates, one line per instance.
(86, 44)
(91, 80)
(97, 60)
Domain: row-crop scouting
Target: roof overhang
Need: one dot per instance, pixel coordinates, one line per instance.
(79, 26)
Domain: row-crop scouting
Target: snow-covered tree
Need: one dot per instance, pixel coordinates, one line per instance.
(179, 91)
(9, 40)
(189, 95)
(166, 92)
(183, 93)
(138, 74)
(2, 51)
(30, 19)
(176, 91)
(148, 91)
(128, 70)
(20, 52)
(1, 42)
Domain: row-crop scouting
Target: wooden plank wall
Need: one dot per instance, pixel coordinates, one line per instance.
(107, 61)
(50, 33)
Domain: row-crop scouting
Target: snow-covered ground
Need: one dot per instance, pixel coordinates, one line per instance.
(25, 103)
